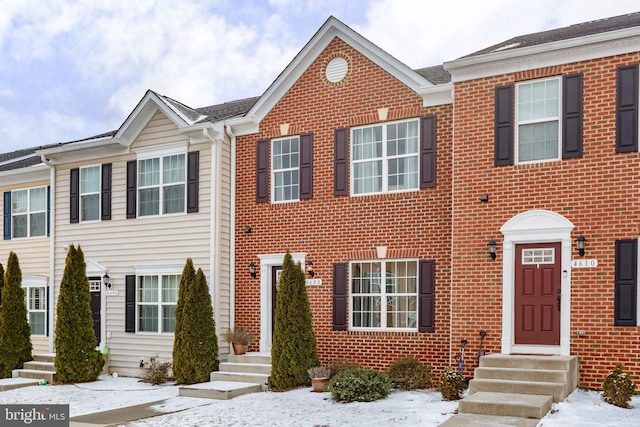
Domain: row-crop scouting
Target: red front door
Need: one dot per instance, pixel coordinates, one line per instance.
(537, 294)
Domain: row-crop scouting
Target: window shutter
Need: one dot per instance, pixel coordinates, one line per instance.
(7, 215)
(74, 196)
(193, 183)
(503, 122)
(341, 162)
(46, 320)
(572, 116)
(426, 303)
(48, 210)
(340, 297)
(306, 166)
(427, 152)
(627, 109)
(130, 304)
(105, 192)
(626, 283)
(262, 171)
(132, 184)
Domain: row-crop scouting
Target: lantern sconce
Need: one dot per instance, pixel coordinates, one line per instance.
(308, 266)
(491, 247)
(580, 242)
(105, 280)
(252, 270)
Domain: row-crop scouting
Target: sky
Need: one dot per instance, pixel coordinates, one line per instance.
(71, 69)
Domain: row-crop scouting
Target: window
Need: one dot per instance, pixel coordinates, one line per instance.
(384, 295)
(161, 185)
(36, 302)
(157, 296)
(29, 212)
(385, 158)
(285, 167)
(90, 193)
(538, 118)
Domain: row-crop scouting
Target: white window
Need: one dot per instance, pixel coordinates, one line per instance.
(384, 294)
(36, 302)
(157, 296)
(385, 157)
(286, 169)
(538, 112)
(161, 185)
(90, 193)
(29, 212)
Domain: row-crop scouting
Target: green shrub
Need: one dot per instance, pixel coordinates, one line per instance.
(340, 365)
(408, 373)
(360, 385)
(452, 385)
(157, 372)
(618, 388)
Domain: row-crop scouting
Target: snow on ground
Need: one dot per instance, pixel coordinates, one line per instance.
(296, 408)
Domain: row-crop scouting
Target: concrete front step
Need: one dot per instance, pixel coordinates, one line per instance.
(505, 404)
(46, 357)
(257, 358)
(257, 368)
(499, 360)
(40, 366)
(222, 390)
(478, 420)
(557, 390)
(241, 377)
(50, 377)
(13, 383)
(542, 375)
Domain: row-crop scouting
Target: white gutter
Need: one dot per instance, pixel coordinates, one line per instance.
(52, 240)
(232, 272)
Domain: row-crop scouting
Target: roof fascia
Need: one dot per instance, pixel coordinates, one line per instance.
(243, 125)
(331, 29)
(436, 95)
(545, 55)
(39, 172)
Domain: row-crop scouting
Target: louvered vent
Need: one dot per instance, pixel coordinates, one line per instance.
(336, 69)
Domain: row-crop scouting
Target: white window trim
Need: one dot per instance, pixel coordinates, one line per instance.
(36, 282)
(28, 213)
(161, 184)
(99, 192)
(158, 303)
(273, 171)
(385, 159)
(383, 294)
(516, 132)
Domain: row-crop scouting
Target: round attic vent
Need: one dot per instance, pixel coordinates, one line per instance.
(336, 69)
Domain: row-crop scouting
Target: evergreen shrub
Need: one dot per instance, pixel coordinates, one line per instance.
(408, 373)
(360, 385)
(617, 388)
(452, 385)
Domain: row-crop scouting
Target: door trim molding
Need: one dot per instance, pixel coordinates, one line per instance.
(535, 226)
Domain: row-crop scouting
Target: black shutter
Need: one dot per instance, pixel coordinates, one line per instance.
(341, 162)
(340, 297)
(105, 192)
(262, 171)
(626, 283)
(74, 195)
(427, 151)
(503, 122)
(130, 304)
(132, 188)
(572, 116)
(48, 210)
(46, 320)
(627, 109)
(306, 166)
(193, 181)
(426, 293)
(7, 216)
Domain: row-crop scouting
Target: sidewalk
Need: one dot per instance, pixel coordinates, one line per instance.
(117, 416)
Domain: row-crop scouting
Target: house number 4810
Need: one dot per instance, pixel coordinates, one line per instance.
(584, 263)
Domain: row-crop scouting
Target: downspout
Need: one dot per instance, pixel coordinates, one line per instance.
(52, 239)
(453, 208)
(214, 226)
(232, 272)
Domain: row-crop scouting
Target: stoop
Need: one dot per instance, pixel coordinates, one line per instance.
(42, 367)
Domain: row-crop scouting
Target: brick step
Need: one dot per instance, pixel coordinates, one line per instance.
(557, 390)
(40, 366)
(540, 375)
(254, 368)
(506, 404)
(221, 390)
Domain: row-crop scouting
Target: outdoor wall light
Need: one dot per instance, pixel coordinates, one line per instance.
(580, 242)
(252, 270)
(247, 229)
(491, 247)
(308, 266)
(105, 280)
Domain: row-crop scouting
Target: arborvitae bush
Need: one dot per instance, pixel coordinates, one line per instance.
(195, 346)
(294, 348)
(15, 333)
(408, 373)
(77, 359)
(452, 385)
(618, 388)
(339, 365)
(1, 284)
(360, 385)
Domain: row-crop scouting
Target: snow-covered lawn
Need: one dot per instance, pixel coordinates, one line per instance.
(296, 408)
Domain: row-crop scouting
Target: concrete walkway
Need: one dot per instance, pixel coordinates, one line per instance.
(118, 416)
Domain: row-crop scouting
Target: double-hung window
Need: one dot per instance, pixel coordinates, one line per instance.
(384, 294)
(157, 296)
(36, 303)
(285, 169)
(161, 185)
(385, 157)
(538, 118)
(29, 212)
(90, 193)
